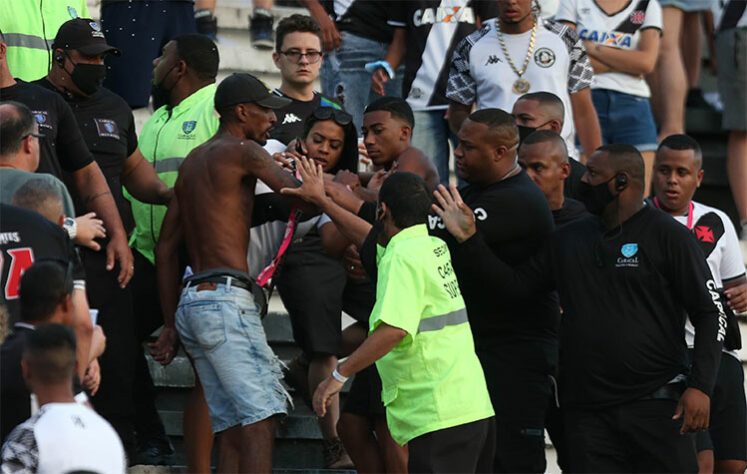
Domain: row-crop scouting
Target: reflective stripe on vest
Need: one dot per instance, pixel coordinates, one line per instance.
(439, 322)
(21, 40)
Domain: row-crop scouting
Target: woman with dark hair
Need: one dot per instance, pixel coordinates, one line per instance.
(311, 278)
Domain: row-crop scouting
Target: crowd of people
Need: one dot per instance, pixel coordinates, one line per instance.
(569, 284)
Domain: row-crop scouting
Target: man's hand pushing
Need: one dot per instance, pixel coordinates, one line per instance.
(312, 189)
(457, 216)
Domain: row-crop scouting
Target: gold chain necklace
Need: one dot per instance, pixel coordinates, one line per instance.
(521, 86)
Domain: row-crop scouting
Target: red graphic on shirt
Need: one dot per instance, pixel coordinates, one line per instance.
(704, 234)
(637, 17)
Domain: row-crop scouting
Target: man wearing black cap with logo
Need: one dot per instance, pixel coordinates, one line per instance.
(108, 128)
(63, 149)
(218, 316)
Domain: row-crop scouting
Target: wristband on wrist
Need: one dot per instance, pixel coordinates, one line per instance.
(371, 67)
(338, 376)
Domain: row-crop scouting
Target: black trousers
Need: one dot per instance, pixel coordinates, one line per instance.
(638, 436)
(463, 448)
(148, 318)
(114, 399)
(518, 376)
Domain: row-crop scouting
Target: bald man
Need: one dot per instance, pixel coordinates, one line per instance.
(544, 156)
(545, 111)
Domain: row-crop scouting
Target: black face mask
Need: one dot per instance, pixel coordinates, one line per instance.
(86, 77)
(596, 197)
(525, 131)
(161, 93)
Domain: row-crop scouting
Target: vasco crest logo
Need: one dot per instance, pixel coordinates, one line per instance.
(492, 59)
(544, 57)
(704, 234)
(637, 17)
(189, 126)
(628, 250)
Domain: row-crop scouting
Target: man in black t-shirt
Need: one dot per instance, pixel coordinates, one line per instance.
(544, 156)
(63, 149)
(108, 129)
(298, 56)
(515, 338)
(626, 278)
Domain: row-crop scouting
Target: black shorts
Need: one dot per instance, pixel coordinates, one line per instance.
(364, 398)
(727, 434)
(311, 285)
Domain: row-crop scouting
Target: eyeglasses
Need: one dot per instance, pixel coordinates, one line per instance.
(295, 56)
(340, 117)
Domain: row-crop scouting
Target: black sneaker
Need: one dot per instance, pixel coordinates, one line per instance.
(155, 452)
(696, 100)
(260, 29)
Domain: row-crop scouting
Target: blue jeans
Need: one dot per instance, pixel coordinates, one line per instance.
(431, 135)
(344, 78)
(625, 118)
(222, 331)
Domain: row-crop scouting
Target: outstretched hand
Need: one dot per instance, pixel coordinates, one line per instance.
(456, 216)
(312, 189)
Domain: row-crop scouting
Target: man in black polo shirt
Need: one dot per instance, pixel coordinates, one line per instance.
(63, 149)
(516, 339)
(108, 128)
(626, 277)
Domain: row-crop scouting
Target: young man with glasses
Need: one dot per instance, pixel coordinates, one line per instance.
(298, 55)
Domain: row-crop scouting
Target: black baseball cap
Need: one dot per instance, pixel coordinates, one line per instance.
(84, 35)
(241, 88)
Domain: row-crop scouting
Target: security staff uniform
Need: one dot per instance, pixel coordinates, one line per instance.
(108, 128)
(625, 293)
(432, 380)
(29, 27)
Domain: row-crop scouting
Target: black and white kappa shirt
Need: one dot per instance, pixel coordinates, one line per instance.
(433, 30)
(63, 437)
(481, 74)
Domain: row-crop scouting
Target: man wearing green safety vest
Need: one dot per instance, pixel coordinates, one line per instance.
(434, 388)
(29, 27)
(184, 79)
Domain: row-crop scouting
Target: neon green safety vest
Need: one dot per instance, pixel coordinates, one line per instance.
(29, 28)
(167, 138)
(432, 379)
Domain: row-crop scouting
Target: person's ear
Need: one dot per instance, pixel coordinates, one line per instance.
(699, 177)
(556, 126)
(26, 370)
(61, 220)
(565, 170)
(181, 69)
(404, 133)
(276, 59)
(3, 50)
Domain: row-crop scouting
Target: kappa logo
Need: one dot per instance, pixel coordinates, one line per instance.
(544, 57)
(704, 234)
(637, 17)
(492, 59)
(290, 118)
(189, 126)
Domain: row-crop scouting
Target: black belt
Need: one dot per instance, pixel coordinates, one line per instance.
(670, 391)
(236, 278)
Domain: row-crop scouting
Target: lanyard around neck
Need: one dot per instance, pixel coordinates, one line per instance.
(690, 208)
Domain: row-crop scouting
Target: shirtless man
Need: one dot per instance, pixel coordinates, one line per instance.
(387, 128)
(218, 318)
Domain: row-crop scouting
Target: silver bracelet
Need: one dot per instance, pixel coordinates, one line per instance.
(338, 376)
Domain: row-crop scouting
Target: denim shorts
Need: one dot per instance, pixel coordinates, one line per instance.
(222, 331)
(625, 118)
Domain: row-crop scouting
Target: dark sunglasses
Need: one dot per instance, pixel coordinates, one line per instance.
(340, 117)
